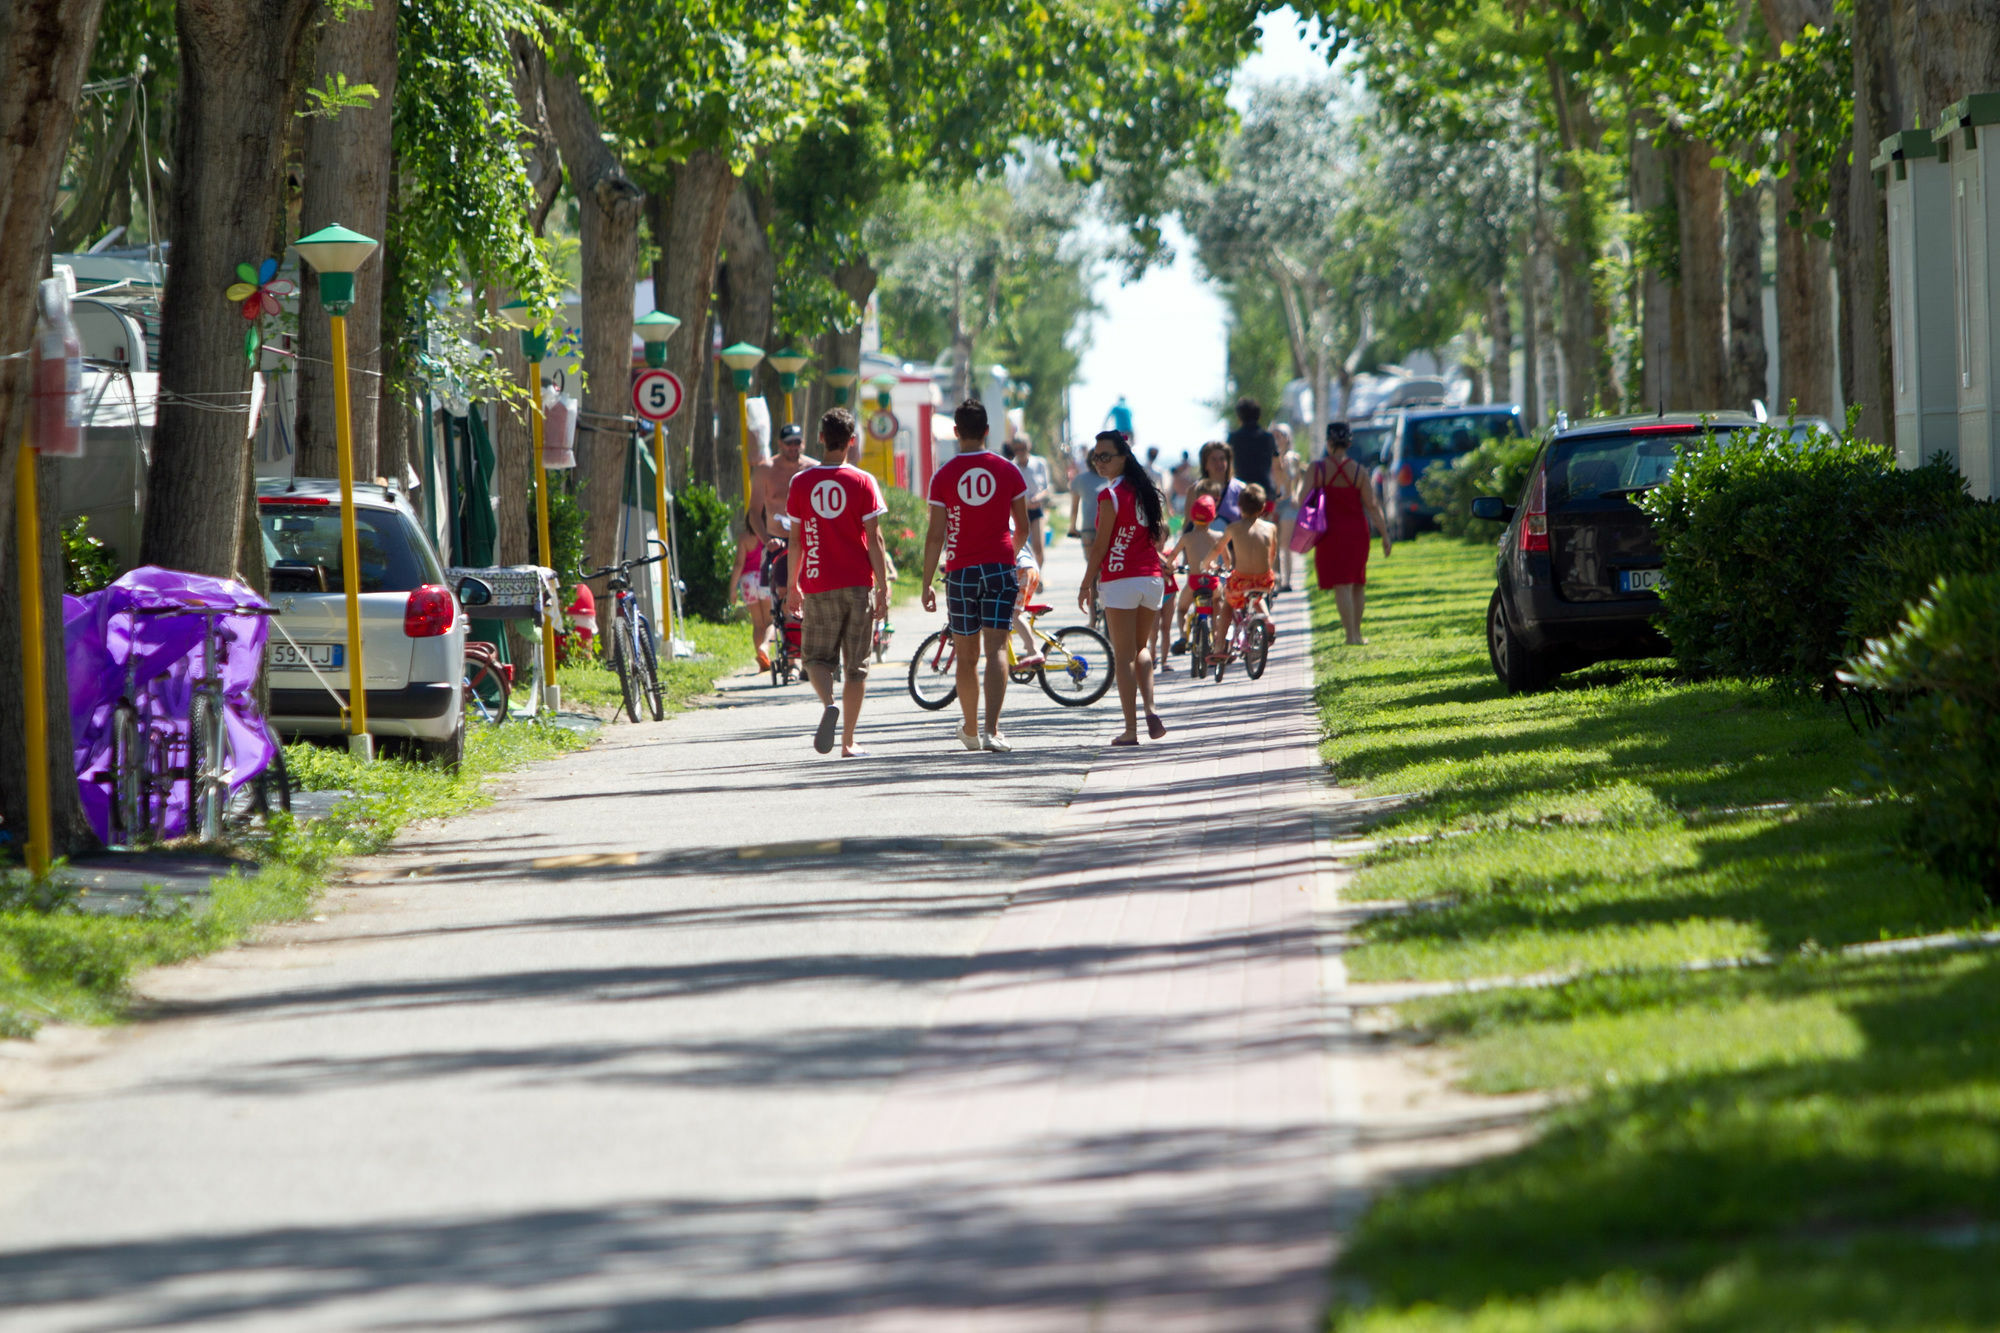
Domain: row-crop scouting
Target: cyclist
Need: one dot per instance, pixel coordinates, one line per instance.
(1195, 544)
(974, 499)
(1251, 541)
(1029, 575)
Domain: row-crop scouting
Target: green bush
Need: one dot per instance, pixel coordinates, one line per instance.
(89, 563)
(1902, 565)
(1496, 467)
(706, 529)
(1761, 538)
(903, 528)
(1940, 674)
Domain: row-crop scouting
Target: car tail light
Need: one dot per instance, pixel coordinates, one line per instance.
(1406, 475)
(1535, 513)
(429, 612)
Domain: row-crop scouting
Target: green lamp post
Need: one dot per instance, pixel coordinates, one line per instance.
(654, 329)
(334, 253)
(842, 379)
(743, 360)
(533, 325)
(884, 385)
(788, 364)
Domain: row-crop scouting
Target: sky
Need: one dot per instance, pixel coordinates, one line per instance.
(1162, 341)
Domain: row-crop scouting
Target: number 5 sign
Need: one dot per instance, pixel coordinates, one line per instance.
(656, 394)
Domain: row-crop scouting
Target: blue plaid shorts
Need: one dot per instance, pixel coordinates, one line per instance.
(980, 595)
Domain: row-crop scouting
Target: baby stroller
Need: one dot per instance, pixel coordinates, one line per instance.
(777, 576)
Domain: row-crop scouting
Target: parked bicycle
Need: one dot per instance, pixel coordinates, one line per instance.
(634, 655)
(1075, 669)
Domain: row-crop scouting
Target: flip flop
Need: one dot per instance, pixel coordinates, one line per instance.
(1124, 740)
(829, 722)
(1154, 727)
(856, 753)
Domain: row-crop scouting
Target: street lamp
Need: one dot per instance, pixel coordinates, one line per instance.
(655, 328)
(334, 253)
(533, 325)
(788, 364)
(842, 379)
(885, 386)
(742, 360)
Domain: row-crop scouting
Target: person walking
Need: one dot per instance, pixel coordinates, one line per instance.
(1126, 574)
(1340, 556)
(839, 577)
(1119, 418)
(1039, 493)
(1252, 448)
(1218, 466)
(1288, 471)
(977, 500)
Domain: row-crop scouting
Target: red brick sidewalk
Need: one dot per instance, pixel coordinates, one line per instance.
(1121, 1116)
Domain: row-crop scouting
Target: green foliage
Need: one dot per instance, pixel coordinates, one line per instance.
(1497, 467)
(1941, 744)
(705, 528)
(1899, 568)
(337, 96)
(903, 528)
(88, 563)
(1760, 538)
(566, 520)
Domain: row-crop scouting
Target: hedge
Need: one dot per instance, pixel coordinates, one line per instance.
(1497, 467)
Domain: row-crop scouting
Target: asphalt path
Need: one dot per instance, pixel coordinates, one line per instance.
(608, 1053)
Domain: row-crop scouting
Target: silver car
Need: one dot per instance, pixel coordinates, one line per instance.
(413, 630)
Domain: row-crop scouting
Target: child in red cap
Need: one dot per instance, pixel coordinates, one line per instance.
(1195, 545)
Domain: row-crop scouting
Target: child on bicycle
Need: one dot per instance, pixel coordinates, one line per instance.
(1251, 540)
(1030, 576)
(1195, 545)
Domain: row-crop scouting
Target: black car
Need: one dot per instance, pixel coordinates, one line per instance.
(1579, 567)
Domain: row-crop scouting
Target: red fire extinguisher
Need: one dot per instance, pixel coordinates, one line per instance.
(58, 377)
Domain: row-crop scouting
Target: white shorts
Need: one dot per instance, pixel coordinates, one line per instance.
(753, 588)
(1131, 594)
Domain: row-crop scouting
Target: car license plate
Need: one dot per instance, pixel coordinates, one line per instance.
(1640, 580)
(324, 655)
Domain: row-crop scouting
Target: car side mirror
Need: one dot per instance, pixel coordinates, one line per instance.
(474, 592)
(1492, 508)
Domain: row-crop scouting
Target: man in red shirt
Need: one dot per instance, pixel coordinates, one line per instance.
(838, 575)
(975, 499)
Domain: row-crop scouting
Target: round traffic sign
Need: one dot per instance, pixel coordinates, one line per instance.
(882, 425)
(656, 394)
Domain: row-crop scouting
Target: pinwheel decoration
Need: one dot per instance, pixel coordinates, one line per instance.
(259, 291)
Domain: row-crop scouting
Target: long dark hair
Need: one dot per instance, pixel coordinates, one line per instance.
(1141, 481)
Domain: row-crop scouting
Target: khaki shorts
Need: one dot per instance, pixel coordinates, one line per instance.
(838, 622)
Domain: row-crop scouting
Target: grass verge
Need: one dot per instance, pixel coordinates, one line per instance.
(1810, 1144)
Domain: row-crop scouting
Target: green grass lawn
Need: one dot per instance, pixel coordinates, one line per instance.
(721, 650)
(1806, 1145)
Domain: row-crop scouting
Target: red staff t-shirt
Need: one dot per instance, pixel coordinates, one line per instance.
(832, 506)
(977, 491)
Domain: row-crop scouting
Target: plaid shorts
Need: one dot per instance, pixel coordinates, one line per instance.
(838, 622)
(980, 595)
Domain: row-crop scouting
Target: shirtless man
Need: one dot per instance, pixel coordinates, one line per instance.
(1251, 540)
(770, 489)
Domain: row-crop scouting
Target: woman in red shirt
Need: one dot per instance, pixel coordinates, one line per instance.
(1125, 568)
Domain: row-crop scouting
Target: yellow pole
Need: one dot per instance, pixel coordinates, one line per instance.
(34, 681)
(789, 418)
(551, 694)
(743, 439)
(666, 528)
(358, 741)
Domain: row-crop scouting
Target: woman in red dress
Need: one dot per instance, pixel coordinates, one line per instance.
(1340, 556)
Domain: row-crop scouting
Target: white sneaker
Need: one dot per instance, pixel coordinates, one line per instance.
(969, 739)
(994, 741)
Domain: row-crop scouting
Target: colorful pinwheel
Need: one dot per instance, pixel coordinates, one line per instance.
(259, 293)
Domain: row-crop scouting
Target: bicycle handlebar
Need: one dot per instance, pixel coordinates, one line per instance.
(183, 610)
(622, 567)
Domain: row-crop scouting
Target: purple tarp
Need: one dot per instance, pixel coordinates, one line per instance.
(100, 637)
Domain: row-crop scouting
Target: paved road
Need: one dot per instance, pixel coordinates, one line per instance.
(699, 1030)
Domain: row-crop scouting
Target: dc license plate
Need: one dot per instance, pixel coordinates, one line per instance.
(321, 655)
(1640, 580)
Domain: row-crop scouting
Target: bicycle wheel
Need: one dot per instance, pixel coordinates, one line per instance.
(128, 777)
(1257, 651)
(1198, 648)
(934, 672)
(1097, 621)
(486, 695)
(208, 767)
(649, 674)
(1082, 672)
(625, 661)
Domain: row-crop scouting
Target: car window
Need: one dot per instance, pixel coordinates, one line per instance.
(1370, 442)
(1444, 437)
(1596, 465)
(302, 548)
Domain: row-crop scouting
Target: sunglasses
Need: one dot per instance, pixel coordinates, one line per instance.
(1104, 458)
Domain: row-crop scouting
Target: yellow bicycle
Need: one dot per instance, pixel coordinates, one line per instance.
(1075, 669)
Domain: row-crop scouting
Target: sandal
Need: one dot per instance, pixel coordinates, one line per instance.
(1124, 740)
(1154, 726)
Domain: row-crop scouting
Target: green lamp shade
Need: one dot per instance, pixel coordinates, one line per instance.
(533, 325)
(520, 314)
(842, 379)
(654, 329)
(742, 360)
(334, 249)
(883, 385)
(789, 362)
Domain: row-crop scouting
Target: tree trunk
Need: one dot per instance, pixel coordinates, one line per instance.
(44, 46)
(610, 207)
(841, 347)
(239, 59)
(1944, 50)
(68, 831)
(347, 181)
(1651, 199)
(1531, 354)
(744, 290)
(683, 282)
(1586, 349)
(1500, 344)
(109, 161)
(1699, 189)
(1863, 235)
(1805, 324)
(1749, 359)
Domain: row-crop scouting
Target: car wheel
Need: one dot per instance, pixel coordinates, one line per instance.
(447, 753)
(1520, 668)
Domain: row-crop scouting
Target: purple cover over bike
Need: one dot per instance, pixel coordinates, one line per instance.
(100, 637)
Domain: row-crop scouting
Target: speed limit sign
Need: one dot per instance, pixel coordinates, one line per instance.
(656, 394)
(882, 425)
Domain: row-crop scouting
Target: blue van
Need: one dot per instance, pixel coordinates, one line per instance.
(1427, 436)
